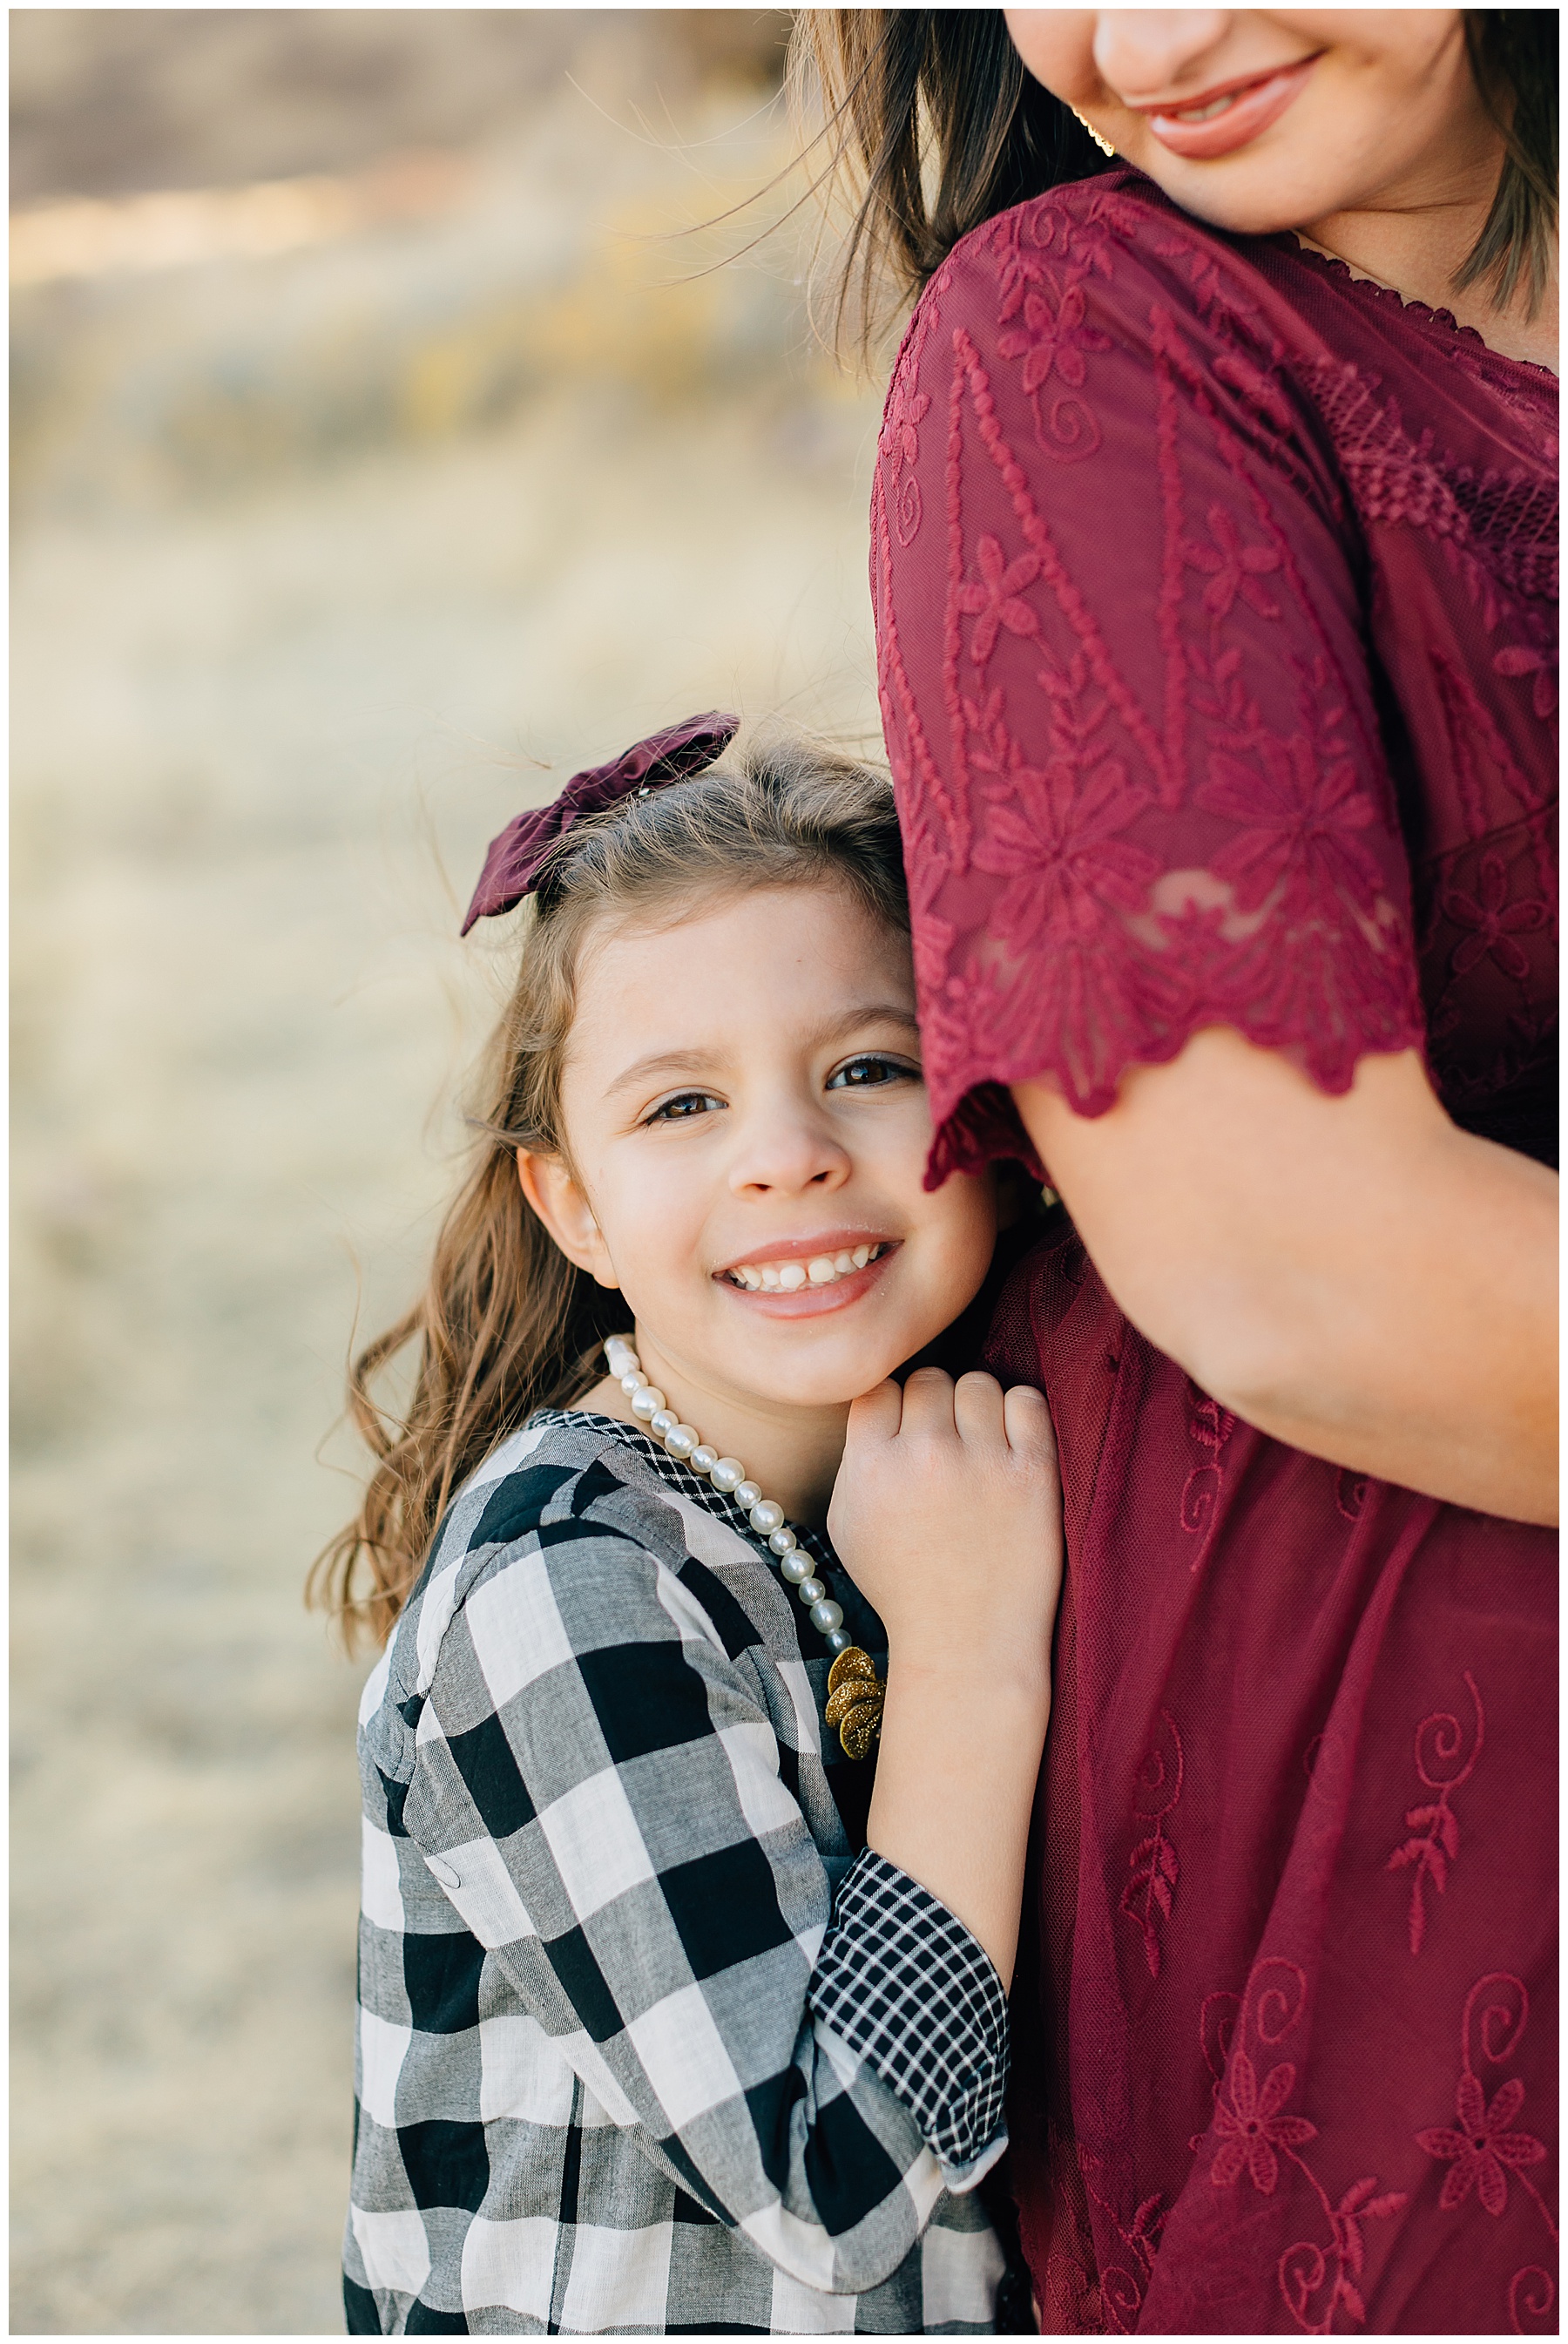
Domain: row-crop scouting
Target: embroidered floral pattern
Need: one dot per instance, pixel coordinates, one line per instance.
(1434, 1845)
(1209, 1427)
(1253, 2135)
(900, 445)
(1052, 339)
(1492, 922)
(1232, 567)
(1252, 2127)
(1532, 2292)
(1351, 1493)
(1305, 2270)
(1043, 308)
(906, 410)
(1123, 2287)
(994, 602)
(1524, 658)
(1361, 2203)
(1226, 670)
(1153, 1863)
(1303, 828)
(1236, 736)
(1484, 2147)
(1060, 849)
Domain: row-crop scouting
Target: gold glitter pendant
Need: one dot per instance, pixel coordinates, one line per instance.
(855, 1697)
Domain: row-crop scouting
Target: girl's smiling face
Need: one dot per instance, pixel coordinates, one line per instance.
(748, 1128)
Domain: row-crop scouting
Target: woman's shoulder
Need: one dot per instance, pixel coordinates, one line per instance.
(1088, 318)
(1099, 329)
(1114, 239)
(1110, 266)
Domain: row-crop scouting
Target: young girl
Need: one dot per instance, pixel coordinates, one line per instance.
(690, 1880)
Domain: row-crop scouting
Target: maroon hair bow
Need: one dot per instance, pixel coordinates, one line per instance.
(515, 858)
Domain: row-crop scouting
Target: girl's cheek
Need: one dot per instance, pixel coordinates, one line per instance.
(965, 1225)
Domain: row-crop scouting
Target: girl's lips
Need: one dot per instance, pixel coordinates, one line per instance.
(1249, 112)
(812, 1301)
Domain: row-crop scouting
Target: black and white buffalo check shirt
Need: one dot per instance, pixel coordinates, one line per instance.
(644, 2045)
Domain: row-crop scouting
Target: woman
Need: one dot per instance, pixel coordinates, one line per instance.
(1213, 564)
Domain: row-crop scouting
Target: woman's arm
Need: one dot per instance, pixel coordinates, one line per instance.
(1353, 1274)
(947, 1513)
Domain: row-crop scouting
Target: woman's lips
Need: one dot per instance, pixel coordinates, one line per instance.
(1244, 114)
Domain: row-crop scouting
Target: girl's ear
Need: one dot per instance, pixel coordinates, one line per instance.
(559, 1202)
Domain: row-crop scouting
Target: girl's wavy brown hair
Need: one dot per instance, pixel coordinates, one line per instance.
(932, 126)
(506, 1323)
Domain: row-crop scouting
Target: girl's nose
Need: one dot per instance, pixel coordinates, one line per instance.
(787, 1154)
(1146, 52)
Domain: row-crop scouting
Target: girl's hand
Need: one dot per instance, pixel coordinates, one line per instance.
(947, 1513)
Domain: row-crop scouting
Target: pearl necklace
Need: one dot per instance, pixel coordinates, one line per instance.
(855, 1692)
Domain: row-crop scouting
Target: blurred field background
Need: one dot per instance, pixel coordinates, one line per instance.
(379, 457)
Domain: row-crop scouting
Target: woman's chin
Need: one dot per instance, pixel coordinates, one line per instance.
(1254, 192)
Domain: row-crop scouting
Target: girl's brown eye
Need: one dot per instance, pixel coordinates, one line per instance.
(872, 1074)
(684, 1104)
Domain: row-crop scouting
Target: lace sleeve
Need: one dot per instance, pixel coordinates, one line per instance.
(1124, 675)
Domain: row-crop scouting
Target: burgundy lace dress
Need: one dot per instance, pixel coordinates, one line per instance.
(1215, 598)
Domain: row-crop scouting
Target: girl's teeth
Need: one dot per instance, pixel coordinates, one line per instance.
(789, 1277)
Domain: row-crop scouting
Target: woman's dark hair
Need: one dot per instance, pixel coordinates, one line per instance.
(1514, 57)
(930, 114)
(932, 117)
(506, 1323)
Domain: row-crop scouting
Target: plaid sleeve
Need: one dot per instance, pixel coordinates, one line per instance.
(595, 1782)
(906, 1986)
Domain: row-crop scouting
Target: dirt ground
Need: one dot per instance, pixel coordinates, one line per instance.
(324, 562)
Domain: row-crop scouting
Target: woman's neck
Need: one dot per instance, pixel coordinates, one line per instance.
(1416, 245)
(791, 1453)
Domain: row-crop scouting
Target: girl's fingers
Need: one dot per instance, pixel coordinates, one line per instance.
(928, 1402)
(978, 1409)
(874, 1416)
(1027, 1420)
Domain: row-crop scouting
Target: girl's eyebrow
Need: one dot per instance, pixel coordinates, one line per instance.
(666, 1062)
(698, 1062)
(868, 1012)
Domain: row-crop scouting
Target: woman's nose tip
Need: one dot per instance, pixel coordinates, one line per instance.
(1140, 52)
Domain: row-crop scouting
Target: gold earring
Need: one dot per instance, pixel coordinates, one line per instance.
(1104, 144)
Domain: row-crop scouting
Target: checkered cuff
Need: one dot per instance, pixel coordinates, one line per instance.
(902, 1981)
